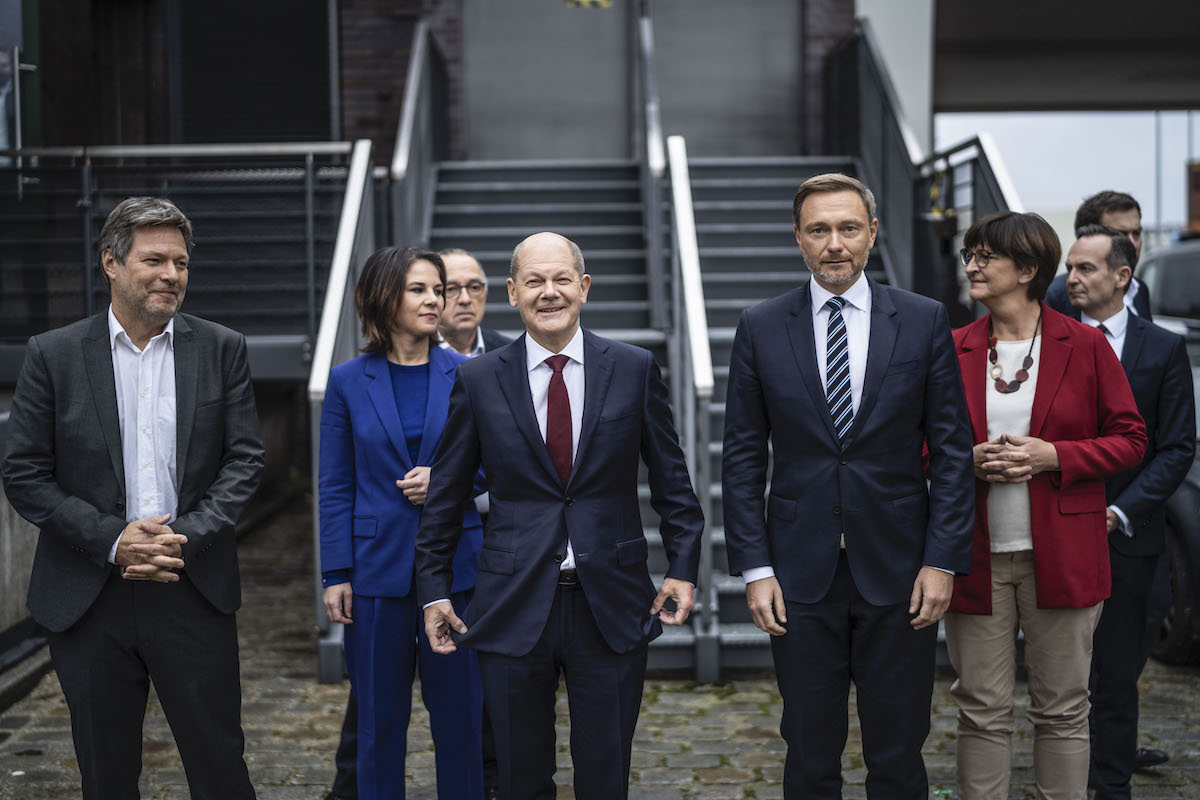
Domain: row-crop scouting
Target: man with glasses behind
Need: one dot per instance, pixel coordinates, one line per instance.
(466, 298)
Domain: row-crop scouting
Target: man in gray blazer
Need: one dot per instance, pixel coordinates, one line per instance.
(134, 447)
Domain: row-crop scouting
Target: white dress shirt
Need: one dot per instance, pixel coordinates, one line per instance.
(1117, 325)
(539, 387)
(145, 383)
(1130, 293)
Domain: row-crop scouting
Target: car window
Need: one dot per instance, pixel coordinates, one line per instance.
(1174, 279)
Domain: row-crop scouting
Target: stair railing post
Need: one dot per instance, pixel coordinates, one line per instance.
(310, 245)
(85, 205)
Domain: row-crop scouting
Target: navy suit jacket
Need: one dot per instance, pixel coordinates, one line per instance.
(626, 414)
(494, 340)
(874, 489)
(367, 525)
(1056, 298)
(1160, 375)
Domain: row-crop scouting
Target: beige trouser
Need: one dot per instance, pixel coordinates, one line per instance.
(1058, 657)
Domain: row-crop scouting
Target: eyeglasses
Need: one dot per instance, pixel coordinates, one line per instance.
(982, 257)
(474, 289)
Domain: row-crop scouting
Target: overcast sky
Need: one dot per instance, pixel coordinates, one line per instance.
(1058, 158)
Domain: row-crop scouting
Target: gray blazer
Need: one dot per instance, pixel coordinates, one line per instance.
(63, 469)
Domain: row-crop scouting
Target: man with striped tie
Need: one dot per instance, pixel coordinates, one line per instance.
(849, 560)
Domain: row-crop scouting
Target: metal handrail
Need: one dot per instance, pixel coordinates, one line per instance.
(185, 150)
(684, 224)
(337, 341)
(408, 110)
(414, 159)
(651, 167)
(693, 382)
(916, 153)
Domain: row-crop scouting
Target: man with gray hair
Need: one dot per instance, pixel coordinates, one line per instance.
(466, 300)
(134, 447)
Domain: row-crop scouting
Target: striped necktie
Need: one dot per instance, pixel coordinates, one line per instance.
(837, 369)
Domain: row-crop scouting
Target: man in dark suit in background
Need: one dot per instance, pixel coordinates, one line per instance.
(1121, 212)
(461, 330)
(849, 562)
(134, 447)
(558, 419)
(1099, 268)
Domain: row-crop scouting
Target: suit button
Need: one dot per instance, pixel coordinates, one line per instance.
(845, 461)
(837, 509)
(558, 557)
(570, 501)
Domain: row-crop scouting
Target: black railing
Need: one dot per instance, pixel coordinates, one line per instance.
(868, 122)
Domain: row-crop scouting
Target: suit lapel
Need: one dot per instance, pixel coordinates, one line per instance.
(597, 374)
(97, 358)
(441, 380)
(800, 333)
(1055, 353)
(884, 329)
(1135, 334)
(972, 363)
(383, 398)
(184, 345)
(513, 377)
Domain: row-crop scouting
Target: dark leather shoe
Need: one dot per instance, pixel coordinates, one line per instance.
(1147, 757)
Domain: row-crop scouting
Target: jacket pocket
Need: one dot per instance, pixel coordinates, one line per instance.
(780, 508)
(633, 552)
(364, 527)
(501, 562)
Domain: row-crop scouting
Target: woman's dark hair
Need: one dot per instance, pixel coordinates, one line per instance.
(380, 291)
(1025, 238)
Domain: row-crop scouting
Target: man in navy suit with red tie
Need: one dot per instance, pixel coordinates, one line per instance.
(849, 561)
(558, 420)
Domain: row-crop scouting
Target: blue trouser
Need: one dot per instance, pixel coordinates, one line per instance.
(384, 647)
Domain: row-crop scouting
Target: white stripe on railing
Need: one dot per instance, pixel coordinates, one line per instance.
(689, 268)
(408, 111)
(357, 184)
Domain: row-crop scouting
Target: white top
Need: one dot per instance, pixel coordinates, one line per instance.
(1116, 325)
(539, 387)
(857, 315)
(1131, 292)
(1008, 503)
(145, 383)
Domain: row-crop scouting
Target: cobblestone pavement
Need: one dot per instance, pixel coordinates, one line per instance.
(710, 742)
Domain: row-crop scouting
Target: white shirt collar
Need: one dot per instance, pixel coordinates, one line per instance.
(115, 329)
(858, 295)
(535, 354)
(1116, 324)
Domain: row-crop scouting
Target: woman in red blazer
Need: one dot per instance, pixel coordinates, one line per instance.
(1052, 415)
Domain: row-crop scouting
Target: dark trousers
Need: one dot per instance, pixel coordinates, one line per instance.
(1117, 659)
(385, 647)
(137, 632)
(604, 690)
(828, 644)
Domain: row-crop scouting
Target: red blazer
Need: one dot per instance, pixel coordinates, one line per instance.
(1084, 407)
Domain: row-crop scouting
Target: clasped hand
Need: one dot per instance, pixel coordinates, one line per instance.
(415, 484)
(150, 551)
(1013, 459)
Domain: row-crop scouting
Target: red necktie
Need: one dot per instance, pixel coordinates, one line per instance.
(558, 419)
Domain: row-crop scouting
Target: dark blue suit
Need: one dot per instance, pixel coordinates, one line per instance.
(847, 610)
(525, 626)
(1156, 363)
(368, 526)
(1056, 298)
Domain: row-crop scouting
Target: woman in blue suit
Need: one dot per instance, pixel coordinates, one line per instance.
(380, 426)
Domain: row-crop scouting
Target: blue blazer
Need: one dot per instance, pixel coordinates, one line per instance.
(1156, 363)
(367, 524)
(874, 488)
(626, 417)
